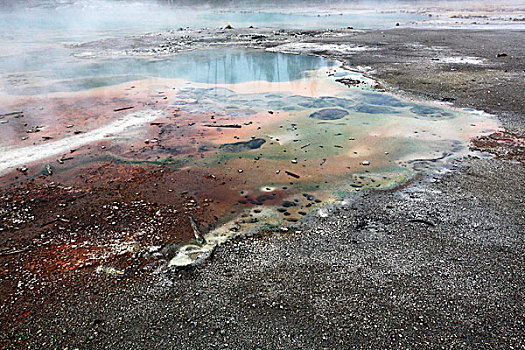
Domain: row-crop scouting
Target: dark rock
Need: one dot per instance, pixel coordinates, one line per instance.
(349, 81)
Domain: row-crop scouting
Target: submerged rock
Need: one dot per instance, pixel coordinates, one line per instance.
(382, 100)
(432, 112)
(326, 102)
(329, 114)
(372, 109)
(243, 146)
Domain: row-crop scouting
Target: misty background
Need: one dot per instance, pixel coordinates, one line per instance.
(34, 33)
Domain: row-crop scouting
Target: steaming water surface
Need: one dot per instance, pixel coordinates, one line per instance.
(60, 73)
(32, 38)
(88, 20)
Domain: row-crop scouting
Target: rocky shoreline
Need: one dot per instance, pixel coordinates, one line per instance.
(437, 263)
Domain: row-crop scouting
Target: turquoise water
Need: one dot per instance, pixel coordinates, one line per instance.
(60, 73)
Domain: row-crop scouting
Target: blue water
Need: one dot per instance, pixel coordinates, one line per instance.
(225, 66)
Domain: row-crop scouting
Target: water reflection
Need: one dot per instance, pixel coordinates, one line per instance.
(231, 66)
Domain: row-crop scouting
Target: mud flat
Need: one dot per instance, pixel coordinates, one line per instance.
(436, 262)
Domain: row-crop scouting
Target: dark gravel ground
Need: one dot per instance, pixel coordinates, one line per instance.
(439, 263)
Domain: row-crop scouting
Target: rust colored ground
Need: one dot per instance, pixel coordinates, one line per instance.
(504, 145)
(97, 215)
